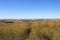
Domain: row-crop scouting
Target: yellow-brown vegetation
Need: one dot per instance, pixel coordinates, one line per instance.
(36, 30)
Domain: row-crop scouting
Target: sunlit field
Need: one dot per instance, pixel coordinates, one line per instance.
(30, 30)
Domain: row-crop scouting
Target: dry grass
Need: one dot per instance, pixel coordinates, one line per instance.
(37, 30)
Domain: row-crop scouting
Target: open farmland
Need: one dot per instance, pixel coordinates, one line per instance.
(30, 30)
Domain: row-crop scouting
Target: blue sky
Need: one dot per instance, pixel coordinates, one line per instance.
(29, 9)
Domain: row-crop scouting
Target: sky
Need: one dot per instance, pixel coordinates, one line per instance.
(29, 9)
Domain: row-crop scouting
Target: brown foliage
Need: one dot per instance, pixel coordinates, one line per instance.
(35, 30)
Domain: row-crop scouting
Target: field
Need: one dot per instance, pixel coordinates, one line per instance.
(32, 30)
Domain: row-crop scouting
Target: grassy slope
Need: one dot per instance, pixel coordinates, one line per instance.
(41, 30)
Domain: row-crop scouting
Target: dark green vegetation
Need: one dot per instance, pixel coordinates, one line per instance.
(30, 30)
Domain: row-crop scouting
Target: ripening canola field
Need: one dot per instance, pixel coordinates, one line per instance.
(34, 30)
